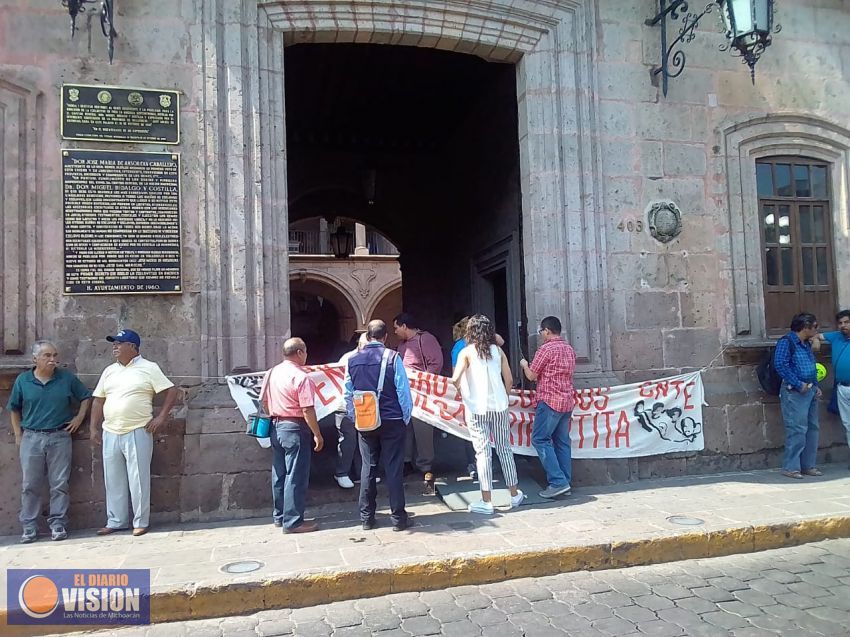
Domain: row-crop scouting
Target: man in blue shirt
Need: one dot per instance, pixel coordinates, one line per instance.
(362, 373)
(840, 351)
(44, 415)
(795, 363)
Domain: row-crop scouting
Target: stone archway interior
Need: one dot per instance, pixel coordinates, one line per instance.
(419, 142)
(323, 317)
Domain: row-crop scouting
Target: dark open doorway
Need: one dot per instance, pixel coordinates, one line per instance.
(421, 145)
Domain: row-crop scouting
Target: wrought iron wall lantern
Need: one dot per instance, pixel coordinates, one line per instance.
(747, 24)
(107, 19)
(341, 241)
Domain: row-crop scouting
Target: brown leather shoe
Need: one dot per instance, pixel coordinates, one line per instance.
(140, 531)
(304, 527)
(108, 530)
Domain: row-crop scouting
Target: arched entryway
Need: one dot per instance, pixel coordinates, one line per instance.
(245, 300)
(324, 315)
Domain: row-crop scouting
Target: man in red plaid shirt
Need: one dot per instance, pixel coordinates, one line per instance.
(552, 369)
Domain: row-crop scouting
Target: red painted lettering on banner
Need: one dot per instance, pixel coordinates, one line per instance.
(608, 431)
(622, 430)
(581, 418)
(326, 400)
(423, 405)
(689, 393)
(424, 383)
(526, 399)
(334, 373)
(595, 431)
(592, 398)
(446, 413)
(663, 388)
(441, 386)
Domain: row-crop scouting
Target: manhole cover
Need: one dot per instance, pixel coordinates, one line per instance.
(684, 520)
(245, 566)
(461, 526)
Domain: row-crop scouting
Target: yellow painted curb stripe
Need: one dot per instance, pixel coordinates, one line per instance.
(312, 590)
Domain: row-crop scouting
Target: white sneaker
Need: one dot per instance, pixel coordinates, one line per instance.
(481, 507)
(517, 499)
(344, 481)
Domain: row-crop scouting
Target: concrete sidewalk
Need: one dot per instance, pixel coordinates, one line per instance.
(599, 527)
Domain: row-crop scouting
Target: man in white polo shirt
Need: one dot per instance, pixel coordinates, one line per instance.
(123, 402)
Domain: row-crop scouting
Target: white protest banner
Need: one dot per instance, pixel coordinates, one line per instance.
(641, 419)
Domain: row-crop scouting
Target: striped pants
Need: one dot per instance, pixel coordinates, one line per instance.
(484, 428)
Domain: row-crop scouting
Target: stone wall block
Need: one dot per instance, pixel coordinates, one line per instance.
(621, 158)
(82, 485)
(746, 428)
(627, 82)
(652, 310)
(684, 160)
(652, 160)
(664, 121)
(165, 495)
(715, 429)
(774, 432)
(636, 348)
(690, 347)
(168, 452)
(657, 467)
(723, 387)
(10, 497)
(713, 464)
(617, 119)
(250, 490)
(629, 271)
(686, 192)
(200, 494)
(832, 432)
(229, 453)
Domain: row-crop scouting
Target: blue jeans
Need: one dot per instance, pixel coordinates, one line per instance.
(45, 455)
(385, 444)
(550, 436)
(800, 416)
(292, 446)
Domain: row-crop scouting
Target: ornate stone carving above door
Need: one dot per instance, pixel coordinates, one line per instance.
(364, 278)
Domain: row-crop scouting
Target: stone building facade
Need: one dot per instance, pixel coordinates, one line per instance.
(529, 201)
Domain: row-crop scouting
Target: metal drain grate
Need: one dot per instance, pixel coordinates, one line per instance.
(244, 566)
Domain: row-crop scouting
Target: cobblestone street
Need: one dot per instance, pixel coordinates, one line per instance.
(795, 592)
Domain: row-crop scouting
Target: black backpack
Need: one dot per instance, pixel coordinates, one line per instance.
(769, 378)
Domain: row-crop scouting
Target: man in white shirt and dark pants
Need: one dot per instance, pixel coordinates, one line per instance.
(123, 403)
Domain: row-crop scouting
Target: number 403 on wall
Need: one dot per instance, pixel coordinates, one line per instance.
(630, 225)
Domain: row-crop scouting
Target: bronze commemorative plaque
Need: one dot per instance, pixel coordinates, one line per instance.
(120, 114)
(121, 215)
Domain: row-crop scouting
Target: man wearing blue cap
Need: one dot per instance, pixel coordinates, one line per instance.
(123, 403)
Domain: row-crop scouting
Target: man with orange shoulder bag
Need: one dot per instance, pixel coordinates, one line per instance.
(378, 401)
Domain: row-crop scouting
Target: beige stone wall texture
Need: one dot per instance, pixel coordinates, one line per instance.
(598, 144)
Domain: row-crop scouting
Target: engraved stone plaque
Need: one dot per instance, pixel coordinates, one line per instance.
(120, 114)
(122, 222)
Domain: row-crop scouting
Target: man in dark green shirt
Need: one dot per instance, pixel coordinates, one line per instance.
(44, 411)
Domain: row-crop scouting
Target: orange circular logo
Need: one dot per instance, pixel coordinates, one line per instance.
(38, 596)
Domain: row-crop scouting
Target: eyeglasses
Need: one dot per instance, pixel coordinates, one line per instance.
(540, 330)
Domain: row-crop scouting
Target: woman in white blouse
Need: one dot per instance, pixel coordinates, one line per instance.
(483, 377)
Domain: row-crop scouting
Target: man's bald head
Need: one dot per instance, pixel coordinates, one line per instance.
(294, 347)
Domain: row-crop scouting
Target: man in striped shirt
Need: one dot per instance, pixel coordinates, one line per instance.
(795, 363)
(552, 369)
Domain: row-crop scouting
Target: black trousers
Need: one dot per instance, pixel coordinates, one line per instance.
(385, 443)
